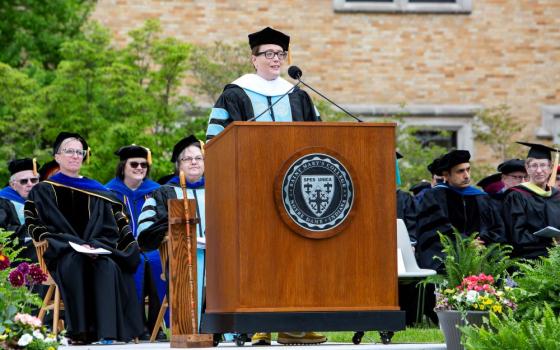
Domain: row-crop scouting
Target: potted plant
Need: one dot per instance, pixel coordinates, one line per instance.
(473, 284)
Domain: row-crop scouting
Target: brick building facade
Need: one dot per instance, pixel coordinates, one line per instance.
(441, 65)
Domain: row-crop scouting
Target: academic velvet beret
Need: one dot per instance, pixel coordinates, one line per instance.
(269, 36)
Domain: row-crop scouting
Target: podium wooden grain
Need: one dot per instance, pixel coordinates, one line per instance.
(257, 264)
(179, 305)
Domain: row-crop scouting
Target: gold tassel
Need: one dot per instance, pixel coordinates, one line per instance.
(289, 57)
(35, 173)
(202, 146)
(88, 154)
(552, 180)
(149, 156)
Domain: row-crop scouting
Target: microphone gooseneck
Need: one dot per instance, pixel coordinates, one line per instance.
(295, 73)
(275, 102)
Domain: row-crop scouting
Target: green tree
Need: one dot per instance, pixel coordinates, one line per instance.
(413, 167)
(22, 116)
(216, 65)
(115, 96)
(496, 128)
(34, 30)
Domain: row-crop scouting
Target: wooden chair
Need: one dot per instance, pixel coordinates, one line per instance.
(49, 303)
(163, 255)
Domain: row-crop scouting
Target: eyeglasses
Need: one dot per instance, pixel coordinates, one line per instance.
(196, 159)
(70, 152)
(24, 182)
(518, 177)
(535, 166)
(135, 165)
(270, 54)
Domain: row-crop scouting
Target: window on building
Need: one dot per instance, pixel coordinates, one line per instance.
(404, 6)
(437, 137)
(550, 124)
(450, 126)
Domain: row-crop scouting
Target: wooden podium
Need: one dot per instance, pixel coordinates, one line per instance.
(284, 253)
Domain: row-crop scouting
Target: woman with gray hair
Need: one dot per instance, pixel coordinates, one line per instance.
(152, 223)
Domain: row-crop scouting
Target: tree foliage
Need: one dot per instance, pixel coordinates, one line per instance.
(22, 115)
(218, 64)
(34, 30)
(112, 97)
(496, 128)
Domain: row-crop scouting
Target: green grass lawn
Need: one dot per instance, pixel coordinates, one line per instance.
(410, 335)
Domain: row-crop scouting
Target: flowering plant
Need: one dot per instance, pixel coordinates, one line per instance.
(16, 284)
(26, 331)
(476, 292)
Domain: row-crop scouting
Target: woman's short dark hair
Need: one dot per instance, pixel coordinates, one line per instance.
(120, 170)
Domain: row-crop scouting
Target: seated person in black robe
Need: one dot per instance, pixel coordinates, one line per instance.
(23, 176)
(510, 173)
(98, 290)
(532, 206)
(454, 205)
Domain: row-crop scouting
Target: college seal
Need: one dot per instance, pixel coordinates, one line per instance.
(317, 192)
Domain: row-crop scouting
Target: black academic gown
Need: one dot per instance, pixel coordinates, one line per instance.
(151, 237)
(443, 209)
(239, 107)
(98, 293)
(406, 210)
(526, 212)
(9, 221)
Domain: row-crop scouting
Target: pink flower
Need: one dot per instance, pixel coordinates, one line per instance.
(27, 319)
(4, 262)
(17, 279)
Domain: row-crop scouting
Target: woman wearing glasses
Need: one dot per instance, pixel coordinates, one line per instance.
(97, 287)
(132, 186)
(262, 96)
(23, 176)
(152, 224)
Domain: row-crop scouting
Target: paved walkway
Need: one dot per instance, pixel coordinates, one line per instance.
(231, 346)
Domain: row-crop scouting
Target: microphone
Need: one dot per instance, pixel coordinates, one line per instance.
(295, 73)
(272, 105)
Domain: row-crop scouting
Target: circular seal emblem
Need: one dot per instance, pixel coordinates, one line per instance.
(317, 192)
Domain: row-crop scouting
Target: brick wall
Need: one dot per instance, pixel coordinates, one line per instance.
(505, 51)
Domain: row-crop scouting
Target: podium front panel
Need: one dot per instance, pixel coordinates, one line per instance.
(256, 262)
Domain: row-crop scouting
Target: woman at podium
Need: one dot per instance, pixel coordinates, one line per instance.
(263, 95)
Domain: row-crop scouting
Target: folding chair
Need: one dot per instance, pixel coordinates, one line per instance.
(49, 303)
(163, 255)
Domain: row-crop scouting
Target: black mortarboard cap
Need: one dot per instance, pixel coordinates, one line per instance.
(433, 167)
(17, 165)
(399, 156)
(48, 170)
(66, 135)
(419, 187)
(269, 36)
(512, 165)
(538, 151)
(490, 179)
(449, 160)
(181, 145)
(132, 151)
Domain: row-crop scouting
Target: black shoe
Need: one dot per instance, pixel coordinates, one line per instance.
(144, 336)
(161, 336)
